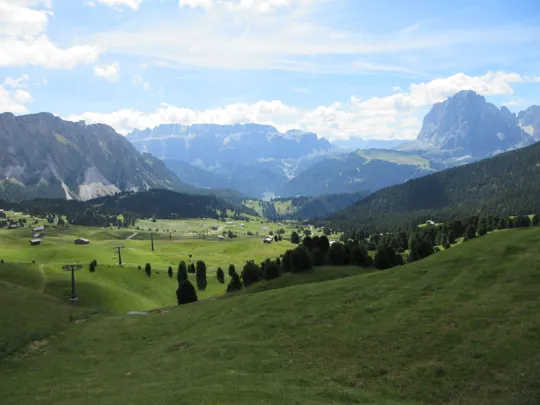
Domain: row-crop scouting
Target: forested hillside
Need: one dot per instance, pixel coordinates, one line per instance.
(163, 204)
(504, 185)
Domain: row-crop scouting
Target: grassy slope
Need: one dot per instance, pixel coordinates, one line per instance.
(460, 327)
(125, 289)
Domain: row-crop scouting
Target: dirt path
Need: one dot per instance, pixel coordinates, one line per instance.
(44, 278)
(132, 236)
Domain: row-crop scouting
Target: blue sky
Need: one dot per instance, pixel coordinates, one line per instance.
(340, 68)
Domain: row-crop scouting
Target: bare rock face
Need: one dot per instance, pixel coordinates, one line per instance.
(45, 156)
(468, 125)
(529, 121)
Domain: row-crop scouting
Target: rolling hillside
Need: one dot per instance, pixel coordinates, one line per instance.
(504, 185)
(460, 327)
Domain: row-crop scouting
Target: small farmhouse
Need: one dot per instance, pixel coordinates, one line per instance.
(39, 228)
(82, 241)
(430, 222)
(221, 237)
(35, 242)
(13, 226)
(268, 239)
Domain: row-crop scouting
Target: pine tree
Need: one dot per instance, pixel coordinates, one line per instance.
(295, 238)
(186, 293)
(451, 236)
(170, 272)
(220, 275)
(148, 269)
(470, 232)
(232, 270)
(202, 282)
(235, 284)
(182, 273)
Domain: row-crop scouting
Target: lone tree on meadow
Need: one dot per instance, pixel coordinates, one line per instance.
(202, 282)
(186, 293)
(93, 266)
(170, 272)
(295, 238)
(220, 275)
(148, 269)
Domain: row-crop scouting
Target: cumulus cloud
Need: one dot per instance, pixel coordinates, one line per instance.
(12, 97)
(108, 72)
(23, 40)
(393, 117)
(138, 80)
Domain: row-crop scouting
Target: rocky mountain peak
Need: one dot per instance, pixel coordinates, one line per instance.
(468, 125)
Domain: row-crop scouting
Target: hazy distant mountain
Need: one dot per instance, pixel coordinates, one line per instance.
(355, 143)
(529, 121)
(362, 170)
(215, 146)
(466, 125)
(45, 156)
(253, 159)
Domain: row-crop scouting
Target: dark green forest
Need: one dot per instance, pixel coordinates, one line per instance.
(158, 203)
(507, 184)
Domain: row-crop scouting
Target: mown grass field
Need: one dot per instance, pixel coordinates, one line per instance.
(460, 327)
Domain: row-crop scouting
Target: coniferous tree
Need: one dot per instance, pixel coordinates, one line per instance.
(451, 236)
(337, 254)
(191, 268)
(170, 272)
(301, 260)
(271, 270)
(220, 275)
(200, 275)
(236, 283)
(186, 293)
(482, 229)
(286, 261)
(295, 238)
(182, 273)
(470, 232)
(232, 270)
(148, 269)
(251, 273)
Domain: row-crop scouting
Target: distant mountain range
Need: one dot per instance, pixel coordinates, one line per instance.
(45, 156)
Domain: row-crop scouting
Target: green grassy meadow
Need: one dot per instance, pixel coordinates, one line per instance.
(460, 327)
(126, 288)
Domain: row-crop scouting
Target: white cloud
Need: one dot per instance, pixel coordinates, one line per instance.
(393, 117)
(23, 40)
(108, 72)
(119, 4)
(137, 79)
(12, 97)
(258, 6)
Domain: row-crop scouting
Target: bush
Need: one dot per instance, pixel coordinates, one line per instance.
(220, 275)
(301, 260)
(182, 273)
(93, 266)
(186, 293)
(447, 245)
(148, 269)
(202, 282)
(251, 273)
